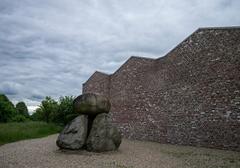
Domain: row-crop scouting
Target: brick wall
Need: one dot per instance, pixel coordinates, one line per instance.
(191, 96)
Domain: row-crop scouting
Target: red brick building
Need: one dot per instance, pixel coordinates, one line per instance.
(191, 96)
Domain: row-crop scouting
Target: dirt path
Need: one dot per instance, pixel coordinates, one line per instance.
(43, 153)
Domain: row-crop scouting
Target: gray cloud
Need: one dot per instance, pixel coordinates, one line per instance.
(9, 88)
(50, 47)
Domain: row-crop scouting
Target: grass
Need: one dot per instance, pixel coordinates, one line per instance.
(11, 132)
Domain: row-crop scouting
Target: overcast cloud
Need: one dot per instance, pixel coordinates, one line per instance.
(51, 47)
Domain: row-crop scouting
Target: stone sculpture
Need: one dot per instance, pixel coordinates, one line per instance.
(92, 129)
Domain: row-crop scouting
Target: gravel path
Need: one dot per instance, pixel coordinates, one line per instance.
(43, 153)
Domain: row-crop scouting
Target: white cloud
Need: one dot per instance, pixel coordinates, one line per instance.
(51, 47)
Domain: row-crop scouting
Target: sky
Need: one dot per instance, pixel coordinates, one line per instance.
(51, 47)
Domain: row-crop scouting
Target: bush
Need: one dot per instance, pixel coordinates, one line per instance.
(65, 112)
(70, 117)
(19, 118)
(37, 115)
(48, 107)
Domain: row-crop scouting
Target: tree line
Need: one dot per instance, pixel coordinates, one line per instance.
(50, 110)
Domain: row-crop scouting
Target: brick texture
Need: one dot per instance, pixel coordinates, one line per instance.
(191, 96)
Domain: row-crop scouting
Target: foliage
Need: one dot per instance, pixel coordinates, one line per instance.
(60, 112)
(11, 132)
(7, 109)
(65, 112)
(48, 106)
(19, 118)
(22, 109)
(37, 115)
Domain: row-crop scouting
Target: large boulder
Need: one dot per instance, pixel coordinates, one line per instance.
(91, 104)
(74, 134)
(104, 136)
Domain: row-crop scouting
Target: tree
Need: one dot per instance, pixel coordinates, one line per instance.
(38, 115)
(22, 109)
(48, 106)
(60, 112)
(7, 109)
(65, 112)
(66, 109)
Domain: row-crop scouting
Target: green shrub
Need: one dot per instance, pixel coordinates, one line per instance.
(70, 117)
(19, 118)
(65, 112)
(37, 115)
(47, 107)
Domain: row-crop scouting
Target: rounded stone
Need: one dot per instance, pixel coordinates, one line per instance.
(104, 136)
(91, 104)
(74, 134)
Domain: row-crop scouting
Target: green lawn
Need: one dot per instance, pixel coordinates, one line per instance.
(11, 132)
